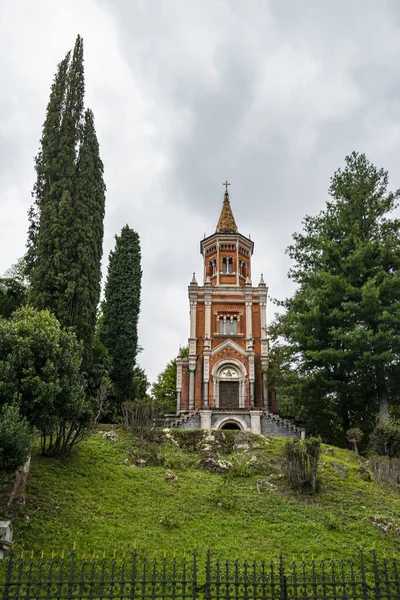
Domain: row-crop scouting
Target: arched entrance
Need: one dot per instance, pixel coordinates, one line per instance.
(231, 422)
(231, 425)
(229, 384)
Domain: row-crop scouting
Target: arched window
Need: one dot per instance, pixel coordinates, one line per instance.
(212, 267)
(227, 264)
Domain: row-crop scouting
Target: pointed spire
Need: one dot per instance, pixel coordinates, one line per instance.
(226, 222)
(262, 282)
(193, 282)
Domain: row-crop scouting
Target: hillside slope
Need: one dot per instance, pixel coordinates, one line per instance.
(99, 500)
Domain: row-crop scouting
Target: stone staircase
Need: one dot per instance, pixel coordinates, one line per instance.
(282, 422)
(176, 422)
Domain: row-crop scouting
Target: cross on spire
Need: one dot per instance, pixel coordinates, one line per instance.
(226, 222)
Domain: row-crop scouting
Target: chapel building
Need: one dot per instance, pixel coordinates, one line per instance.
(222, 383)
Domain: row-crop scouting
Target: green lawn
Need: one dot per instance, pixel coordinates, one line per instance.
(99, 502)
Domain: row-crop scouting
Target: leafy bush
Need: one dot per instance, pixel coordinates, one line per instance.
(385, 470)
(242, 465)
(301, 458)
(15, 439)
(385, 440)
(40, 365)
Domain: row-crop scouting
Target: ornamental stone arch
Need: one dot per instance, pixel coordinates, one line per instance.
(229, 369)
(234, 419)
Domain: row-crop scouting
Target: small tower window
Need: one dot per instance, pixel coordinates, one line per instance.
(227, 265)
(212, 267)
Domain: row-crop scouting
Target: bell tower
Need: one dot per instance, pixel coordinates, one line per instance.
(223, 380)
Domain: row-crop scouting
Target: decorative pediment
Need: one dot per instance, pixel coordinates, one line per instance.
(229, 344)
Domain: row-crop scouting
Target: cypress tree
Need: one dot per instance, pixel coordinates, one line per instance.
(46, 159)
(86, 244)
(66, 233)
(121, 312)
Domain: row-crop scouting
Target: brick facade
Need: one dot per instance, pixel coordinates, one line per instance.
(228, 352)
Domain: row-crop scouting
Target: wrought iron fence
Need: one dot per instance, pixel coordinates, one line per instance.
(197, 578)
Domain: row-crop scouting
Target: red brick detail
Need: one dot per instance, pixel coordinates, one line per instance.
(185, 387)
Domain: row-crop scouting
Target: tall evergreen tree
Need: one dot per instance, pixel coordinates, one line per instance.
(46, 159)
(121, 312)
(66, 232)
(343, 323)
(83, 277)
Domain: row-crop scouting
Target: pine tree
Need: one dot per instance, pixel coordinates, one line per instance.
(343, 321)
(66, 233)
(121, 312)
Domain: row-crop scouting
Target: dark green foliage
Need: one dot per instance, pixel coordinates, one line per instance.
(15, 439)
(40, 371)
(164, 389)
(385, 440)
(141, 383)
(84, 275)
(301, 457)
(13, 294)
(46, 162)
(342, 324)
(121, 309)
(66, 232)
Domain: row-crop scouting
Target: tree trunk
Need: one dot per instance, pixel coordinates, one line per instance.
(382, 393)
(21, 476)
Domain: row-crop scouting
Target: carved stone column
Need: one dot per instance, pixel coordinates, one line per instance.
(251, 379)
(178, 385)
(206, 376)
(192, 367)
(264, 369)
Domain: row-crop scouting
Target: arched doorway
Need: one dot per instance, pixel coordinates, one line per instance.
(231, 422)
(231, 425)
(228, 377)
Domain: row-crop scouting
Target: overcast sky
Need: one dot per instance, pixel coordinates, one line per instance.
(271, 95)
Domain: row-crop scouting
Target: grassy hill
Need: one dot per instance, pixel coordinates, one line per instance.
(100, 499)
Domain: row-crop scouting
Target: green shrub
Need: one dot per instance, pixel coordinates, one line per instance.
(301, 457)
(385, 440)
(242, 465)
(15, 439)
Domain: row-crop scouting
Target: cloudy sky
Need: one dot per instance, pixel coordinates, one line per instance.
(271, 94)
